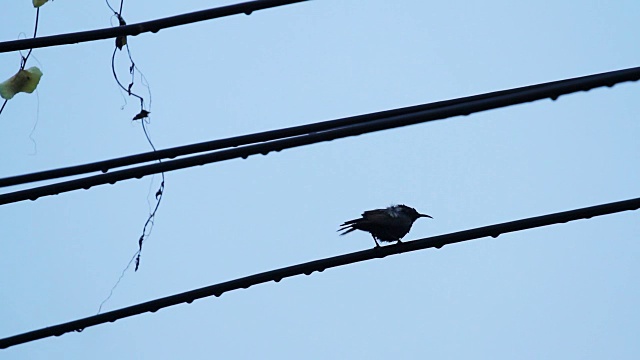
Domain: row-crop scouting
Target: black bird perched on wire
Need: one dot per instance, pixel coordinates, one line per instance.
(390, 224)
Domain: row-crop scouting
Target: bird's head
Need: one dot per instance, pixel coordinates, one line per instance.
(411, 212)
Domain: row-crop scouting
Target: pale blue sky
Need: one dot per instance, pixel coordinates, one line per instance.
(566, 291)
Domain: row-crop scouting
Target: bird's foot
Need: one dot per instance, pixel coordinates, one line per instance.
(375, 241)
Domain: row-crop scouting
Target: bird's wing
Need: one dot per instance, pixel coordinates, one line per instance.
(369, 218)
(378, 216)
(370, 215)
(374, 214)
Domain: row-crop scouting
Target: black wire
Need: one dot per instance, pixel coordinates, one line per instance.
(148, 26)
(551, 89)
(321, 265)
(527, 94)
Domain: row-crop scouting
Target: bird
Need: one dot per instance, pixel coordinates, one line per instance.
(388, 225)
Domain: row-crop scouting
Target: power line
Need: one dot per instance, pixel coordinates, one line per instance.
(607, 78)
(236, 141)
(484, 102)
(148, 26)
(320, 265)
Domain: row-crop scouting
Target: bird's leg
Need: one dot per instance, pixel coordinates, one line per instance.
(376, 240)
(399, 242)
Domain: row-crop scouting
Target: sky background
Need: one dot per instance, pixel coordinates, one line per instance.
(566, 291)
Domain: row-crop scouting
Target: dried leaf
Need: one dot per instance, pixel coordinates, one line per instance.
(141, 115)
(121, 41)
(23, 81)
(38, 3)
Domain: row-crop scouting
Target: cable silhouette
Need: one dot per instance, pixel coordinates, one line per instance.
(527, 94)
(138, 28)
(579, 83)
(320, 265)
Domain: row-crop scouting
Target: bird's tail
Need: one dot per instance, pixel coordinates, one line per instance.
(347, 227)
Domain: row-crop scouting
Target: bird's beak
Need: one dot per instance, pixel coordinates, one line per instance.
(424, 215)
